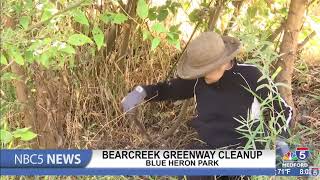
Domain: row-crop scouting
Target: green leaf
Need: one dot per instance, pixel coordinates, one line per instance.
(173, 35)
(79, 39)
(163, 13)
(174, 7)
(142, 9)
(80, 17)
(28, 5)
(174, 42)
(274, 75)
(283, 11)
(155, 43)
(19, 132)
(168, 3)
(158, 27)
(25, 21)
(7, 76)
(15, 54)
(5, 136)
(145, 35)
(3, 60)
(47, 41)
(107, 17)
(27, 136)
(98, 37)
(186, 5)
(29, 57)
(68, 49)
(44, 59)
(175, 29)
(17, 7)
(194, 16)
(170, 35)
(46, 15)
(119, 18)
(252, 11)
(35, 45)
(178, 45)
(152, 13)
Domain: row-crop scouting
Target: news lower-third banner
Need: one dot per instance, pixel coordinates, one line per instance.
(155, 162)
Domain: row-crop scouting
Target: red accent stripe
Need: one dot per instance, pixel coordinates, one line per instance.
(302, 148)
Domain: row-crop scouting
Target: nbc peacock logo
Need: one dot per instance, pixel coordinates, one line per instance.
(300, 154)
(290, 156)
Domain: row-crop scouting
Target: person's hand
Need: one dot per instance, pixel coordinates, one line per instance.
(133, 98)
(281, 146)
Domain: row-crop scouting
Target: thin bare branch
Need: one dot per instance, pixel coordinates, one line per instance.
(306, 40)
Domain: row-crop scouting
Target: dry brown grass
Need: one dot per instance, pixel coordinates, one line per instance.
(95, 119)
(306, 86)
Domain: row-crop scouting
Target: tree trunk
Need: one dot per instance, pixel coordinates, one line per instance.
(111, 38)
(214, 15)
(22, 92)
(131, 7)
(288, 48)
(237, 5)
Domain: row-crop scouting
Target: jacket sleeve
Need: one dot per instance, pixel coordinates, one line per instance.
(173, 89)
(275, 104)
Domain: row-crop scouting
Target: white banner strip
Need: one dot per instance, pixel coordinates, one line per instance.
(182, 159)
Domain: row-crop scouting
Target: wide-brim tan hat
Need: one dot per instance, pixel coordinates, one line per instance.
(206, 53)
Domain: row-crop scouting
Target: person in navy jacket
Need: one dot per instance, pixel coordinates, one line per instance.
(224, 90)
